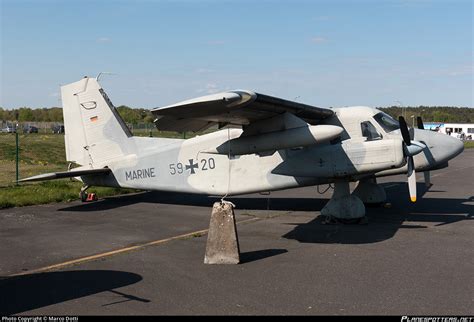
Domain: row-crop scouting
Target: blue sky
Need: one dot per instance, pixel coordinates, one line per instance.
(324, 53)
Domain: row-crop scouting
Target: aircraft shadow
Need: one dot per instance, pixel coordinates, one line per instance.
(397, 193)
(186, 199)
(383, 223)
(29, 292)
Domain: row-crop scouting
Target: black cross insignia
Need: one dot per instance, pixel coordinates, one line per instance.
(192, 166)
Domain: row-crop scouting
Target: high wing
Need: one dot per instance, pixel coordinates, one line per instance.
(67, 174)
(238, 107)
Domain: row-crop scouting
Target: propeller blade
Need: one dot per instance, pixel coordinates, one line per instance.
(419, 123)
(427, 176)
(411, 179)
(404, 130)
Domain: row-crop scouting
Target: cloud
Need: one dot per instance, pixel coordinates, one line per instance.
(318, 40)
(411, 3)
(462, 71)
(203, 71)
(322, 18)
(103, 40)
(216, 42)
(454, 71)
(210, 88)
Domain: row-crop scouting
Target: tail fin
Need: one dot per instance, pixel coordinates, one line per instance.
(94, 131)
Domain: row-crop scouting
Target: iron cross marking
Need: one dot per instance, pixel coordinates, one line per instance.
(192, 166)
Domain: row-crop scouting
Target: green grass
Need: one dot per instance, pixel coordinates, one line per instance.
(39, 153)
(43, 153)
(34, 148)
(468, 144)
(49, 191)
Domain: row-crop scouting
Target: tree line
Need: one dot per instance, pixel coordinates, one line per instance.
(444, 114)
(447, 114)
(55, 114)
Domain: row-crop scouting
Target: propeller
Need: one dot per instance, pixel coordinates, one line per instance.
(411, 148)
(426, 174)
(419, 123)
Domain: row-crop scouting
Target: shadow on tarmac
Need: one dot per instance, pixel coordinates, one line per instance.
(397, 194)
(185, 199)
(260, 254)
(28, 292)
(383, 222)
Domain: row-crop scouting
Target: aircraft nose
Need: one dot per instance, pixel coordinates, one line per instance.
(442, 146)
(458, 147)
(447, 147)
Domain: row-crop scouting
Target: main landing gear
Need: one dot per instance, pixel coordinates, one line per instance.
(87, 197)
(343, 207)
(370, 192)
(348, 208)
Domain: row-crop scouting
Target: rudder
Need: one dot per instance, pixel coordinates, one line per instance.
(94, 131)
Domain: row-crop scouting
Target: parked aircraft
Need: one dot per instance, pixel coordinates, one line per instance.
(278, 144)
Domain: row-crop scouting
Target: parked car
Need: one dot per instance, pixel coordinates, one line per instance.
(57, 129)
(9, 129)
(30, 129)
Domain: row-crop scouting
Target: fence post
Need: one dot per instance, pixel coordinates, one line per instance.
(17, 156)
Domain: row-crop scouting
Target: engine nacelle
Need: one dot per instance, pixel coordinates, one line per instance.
(291, 138)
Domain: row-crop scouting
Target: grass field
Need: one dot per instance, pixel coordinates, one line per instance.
(469, 144)
(49, 191)
(42, 153)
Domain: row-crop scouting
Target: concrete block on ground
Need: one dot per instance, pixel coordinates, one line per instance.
(222, 241)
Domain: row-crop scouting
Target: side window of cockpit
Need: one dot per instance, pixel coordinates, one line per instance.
(369, 131)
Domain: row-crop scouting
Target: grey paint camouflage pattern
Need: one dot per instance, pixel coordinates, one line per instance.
(96, 137)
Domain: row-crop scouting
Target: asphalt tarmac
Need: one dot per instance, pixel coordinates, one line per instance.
(143, 254)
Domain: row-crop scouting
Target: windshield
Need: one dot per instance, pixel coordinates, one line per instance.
(386, 122)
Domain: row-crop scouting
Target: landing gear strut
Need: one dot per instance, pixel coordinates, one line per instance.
(370, 192)
(343, 207)
(87, 197)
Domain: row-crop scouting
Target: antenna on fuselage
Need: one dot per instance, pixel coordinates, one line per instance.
(400, 104)
(104, 73)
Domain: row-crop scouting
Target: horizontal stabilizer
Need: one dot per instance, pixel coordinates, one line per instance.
(67, 174)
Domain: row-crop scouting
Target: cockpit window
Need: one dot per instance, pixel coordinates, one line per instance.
(369, 131)
(386, 122)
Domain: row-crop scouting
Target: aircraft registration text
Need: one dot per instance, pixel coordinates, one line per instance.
(192, 166)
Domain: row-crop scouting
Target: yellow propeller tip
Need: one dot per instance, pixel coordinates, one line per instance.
(413, 199)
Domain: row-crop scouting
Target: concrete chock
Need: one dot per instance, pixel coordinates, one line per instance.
(222, 241)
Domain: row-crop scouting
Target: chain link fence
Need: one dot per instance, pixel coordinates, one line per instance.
(24, 154)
